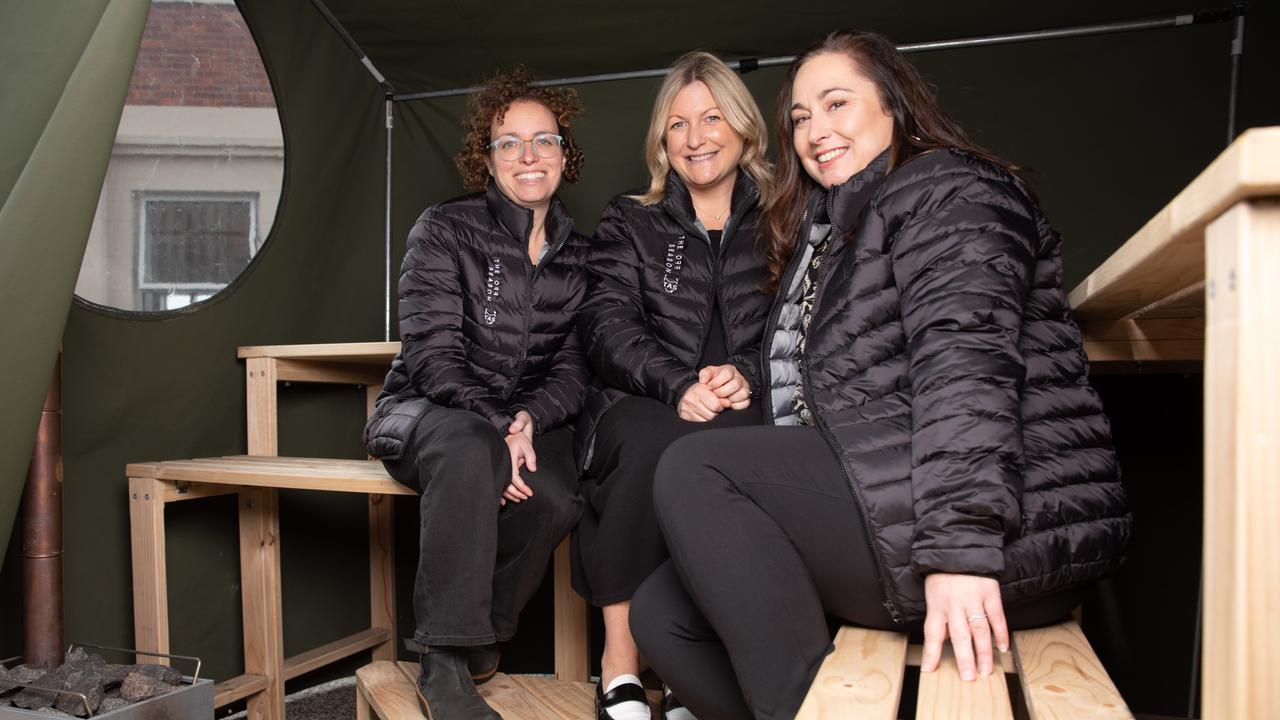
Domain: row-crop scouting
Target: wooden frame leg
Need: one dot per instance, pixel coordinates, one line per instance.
(260, 597)
(382, 569)
(571, 621)
(1242, 464)
(261, 375)
(150, 582)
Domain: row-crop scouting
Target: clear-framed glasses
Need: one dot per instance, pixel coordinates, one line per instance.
(510, 147)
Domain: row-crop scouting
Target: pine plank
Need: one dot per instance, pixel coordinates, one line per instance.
(1242, 464)
(944, 696)
(237, 688)
(150, 583)
(1167, 255)
(1062, 678)
(862, 678)
(389, 690)
(379, 353)
(362, 476)
(570, 620)
(303, 663)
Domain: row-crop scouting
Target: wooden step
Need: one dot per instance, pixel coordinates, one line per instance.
(388, 691)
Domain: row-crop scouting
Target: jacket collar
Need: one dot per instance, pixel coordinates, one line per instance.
(846, 201)
(679, 203)
(518, 220)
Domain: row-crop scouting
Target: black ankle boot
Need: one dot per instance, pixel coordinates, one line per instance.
(445, 689)
(482, 662)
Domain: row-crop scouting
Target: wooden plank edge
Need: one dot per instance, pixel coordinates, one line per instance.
(332, 652)
(322, 351)
(237, 688)
(915, 652)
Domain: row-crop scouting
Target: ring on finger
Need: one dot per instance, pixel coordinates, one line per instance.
(977, 617)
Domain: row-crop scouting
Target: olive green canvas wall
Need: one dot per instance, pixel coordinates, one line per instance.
(1111, 126)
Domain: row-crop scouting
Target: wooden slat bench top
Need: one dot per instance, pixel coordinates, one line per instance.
(388, 691)
(1059, 674)
(334, 475)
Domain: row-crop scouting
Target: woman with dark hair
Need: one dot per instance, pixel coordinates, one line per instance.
(943, 464)
(474, 412)
(671, 324)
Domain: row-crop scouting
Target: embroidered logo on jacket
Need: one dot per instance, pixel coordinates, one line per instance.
(492, 285)
(672, 266)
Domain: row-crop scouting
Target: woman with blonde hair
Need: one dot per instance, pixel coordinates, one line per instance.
(671, 324)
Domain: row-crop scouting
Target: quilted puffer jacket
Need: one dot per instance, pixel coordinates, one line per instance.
(481, 327)
(654, 278)
(944, 370)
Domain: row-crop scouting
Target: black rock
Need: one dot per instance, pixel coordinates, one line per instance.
(111, 703)
(86, 685)
(137, 687)
(113, 675)
(33, 699)
(76, 654)
(27, 673)
(163, 673)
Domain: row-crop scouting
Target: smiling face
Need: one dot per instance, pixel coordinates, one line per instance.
(530, 180)
(839, 123)
(703, 149)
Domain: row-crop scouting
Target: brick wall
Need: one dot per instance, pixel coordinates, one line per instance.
(198, 54)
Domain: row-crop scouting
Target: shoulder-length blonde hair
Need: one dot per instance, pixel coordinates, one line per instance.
(735, 103)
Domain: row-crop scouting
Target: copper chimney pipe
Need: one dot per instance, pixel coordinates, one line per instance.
(42, 535)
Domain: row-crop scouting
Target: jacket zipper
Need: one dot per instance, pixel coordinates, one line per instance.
(894, 613)
(530, 272)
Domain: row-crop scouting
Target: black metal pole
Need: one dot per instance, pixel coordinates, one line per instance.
(1237, 52)
(748, 64)
(386, 334)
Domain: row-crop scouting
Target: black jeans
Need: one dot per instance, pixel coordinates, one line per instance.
(478, 563)
(766, 541)
(617, 543)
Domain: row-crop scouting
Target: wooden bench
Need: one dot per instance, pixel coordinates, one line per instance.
(1057, 670)
(256, 479)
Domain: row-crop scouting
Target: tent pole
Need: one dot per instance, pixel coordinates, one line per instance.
(1237, 51)
(748, 64)
(386, 335)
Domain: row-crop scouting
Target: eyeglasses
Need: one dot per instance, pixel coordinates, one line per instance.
(510, 147)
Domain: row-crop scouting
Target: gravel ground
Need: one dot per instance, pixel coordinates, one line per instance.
(334, 700)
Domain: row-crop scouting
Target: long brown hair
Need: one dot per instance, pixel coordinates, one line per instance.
(919, 125)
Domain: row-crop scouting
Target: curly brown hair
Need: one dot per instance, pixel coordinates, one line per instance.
(490, 105)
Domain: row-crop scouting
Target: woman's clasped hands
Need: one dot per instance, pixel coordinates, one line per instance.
(719, 387)
(520, 445)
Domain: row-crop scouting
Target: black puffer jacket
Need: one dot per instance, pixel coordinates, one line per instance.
(945, 371)
(481, 327)
(654, 278)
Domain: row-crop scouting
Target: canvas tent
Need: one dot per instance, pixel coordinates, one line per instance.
(1111, 125)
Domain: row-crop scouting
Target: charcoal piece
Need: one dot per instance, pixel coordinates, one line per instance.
(111, 703)
(163, 673)
(87, 685)
(138, 687)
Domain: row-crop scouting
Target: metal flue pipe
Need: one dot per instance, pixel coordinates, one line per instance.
(42, 536)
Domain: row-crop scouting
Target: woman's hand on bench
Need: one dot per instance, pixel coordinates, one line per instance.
(968, 610)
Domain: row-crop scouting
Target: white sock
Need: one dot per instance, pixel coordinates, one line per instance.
(680, 713)
(627, 710)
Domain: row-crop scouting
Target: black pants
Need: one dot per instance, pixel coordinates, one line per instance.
(766, 541)
(478, 563)
(617, 543)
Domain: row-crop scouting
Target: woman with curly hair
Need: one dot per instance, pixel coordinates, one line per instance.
(473, 413)
(672, 325)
